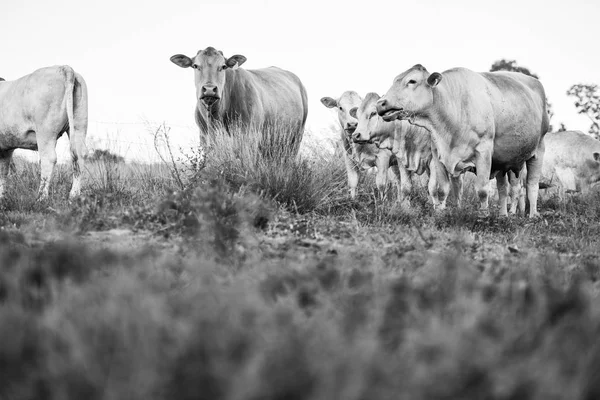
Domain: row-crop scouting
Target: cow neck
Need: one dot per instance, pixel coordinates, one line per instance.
(346, 142)
(385, 131)
(442, 120)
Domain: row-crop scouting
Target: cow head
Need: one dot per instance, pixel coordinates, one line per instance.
(210, 66)
(344, 104)
(591, 169)
(411, 94)
(368, 120)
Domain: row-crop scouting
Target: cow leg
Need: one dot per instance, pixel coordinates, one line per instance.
(432, 183)
(457, 189)
(534, 171)
(5, 160)
(352, 171)
(483, 166)
(439, 181)
(47, 152)
(440, 195)
(502, 184)
(382, 163)
(393, 175)
(404, 184)
(77, 160)
(439, 184)
(517, 193)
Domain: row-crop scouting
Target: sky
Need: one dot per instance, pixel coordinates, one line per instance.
(122, 50)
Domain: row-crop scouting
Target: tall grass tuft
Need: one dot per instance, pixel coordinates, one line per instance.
(264, 162)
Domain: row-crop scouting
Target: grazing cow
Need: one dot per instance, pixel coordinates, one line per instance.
(571, 163)
(359, 156)
(491, 123)
(410, 144)
(35, 111)
(267, 98)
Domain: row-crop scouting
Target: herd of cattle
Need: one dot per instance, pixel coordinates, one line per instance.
(493, 124)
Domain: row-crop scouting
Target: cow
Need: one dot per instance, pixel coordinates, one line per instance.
(35, 110)
(359, 156)
(229, 96)
(490, 123)
(410, 144)
(571, 163)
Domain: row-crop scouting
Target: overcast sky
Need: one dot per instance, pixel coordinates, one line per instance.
(122, 48)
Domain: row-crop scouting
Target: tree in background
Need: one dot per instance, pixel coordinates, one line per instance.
(588, 103)
(105, 155)
(511, 65)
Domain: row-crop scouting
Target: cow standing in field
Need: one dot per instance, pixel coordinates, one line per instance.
(491, 123)
(35, 111)
(571, 164)
(359, 156)
(410, 144)
(227, 96)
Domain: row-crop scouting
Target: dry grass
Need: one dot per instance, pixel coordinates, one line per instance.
(265, 282)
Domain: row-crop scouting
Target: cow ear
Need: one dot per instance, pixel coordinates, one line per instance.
(596, 156)
(329, 102)
(233, 60)
(434, 79)
(353, 111)
(181, 60)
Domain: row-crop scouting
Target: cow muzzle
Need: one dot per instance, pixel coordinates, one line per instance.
(359, 138)
(389, 112)
(209, 94)
(350, 128)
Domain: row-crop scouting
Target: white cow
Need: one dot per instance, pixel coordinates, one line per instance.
(35, 110)
(490, 123)
(359, 156)
(571, 164)
(410, 144)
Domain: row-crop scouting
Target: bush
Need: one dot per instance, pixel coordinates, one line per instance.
(105, 156)
(264, 163)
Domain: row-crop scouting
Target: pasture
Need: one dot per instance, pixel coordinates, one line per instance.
(256, 277)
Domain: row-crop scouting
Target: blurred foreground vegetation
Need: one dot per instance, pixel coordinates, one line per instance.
(255, 277)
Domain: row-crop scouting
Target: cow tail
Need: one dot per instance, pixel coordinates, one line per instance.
(299, 136)
(545, 115)
(76, 107)
(69, 89)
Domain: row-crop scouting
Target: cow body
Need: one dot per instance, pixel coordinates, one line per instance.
(571, 164)
(491, 123)
(35, 111)
(361, 156)
(228, 96)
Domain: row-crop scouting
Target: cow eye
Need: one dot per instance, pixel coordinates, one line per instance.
(195, 66)
(341, 108)
(372, 114)
(412, 82)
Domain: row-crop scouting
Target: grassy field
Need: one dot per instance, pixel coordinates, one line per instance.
(253, 276)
